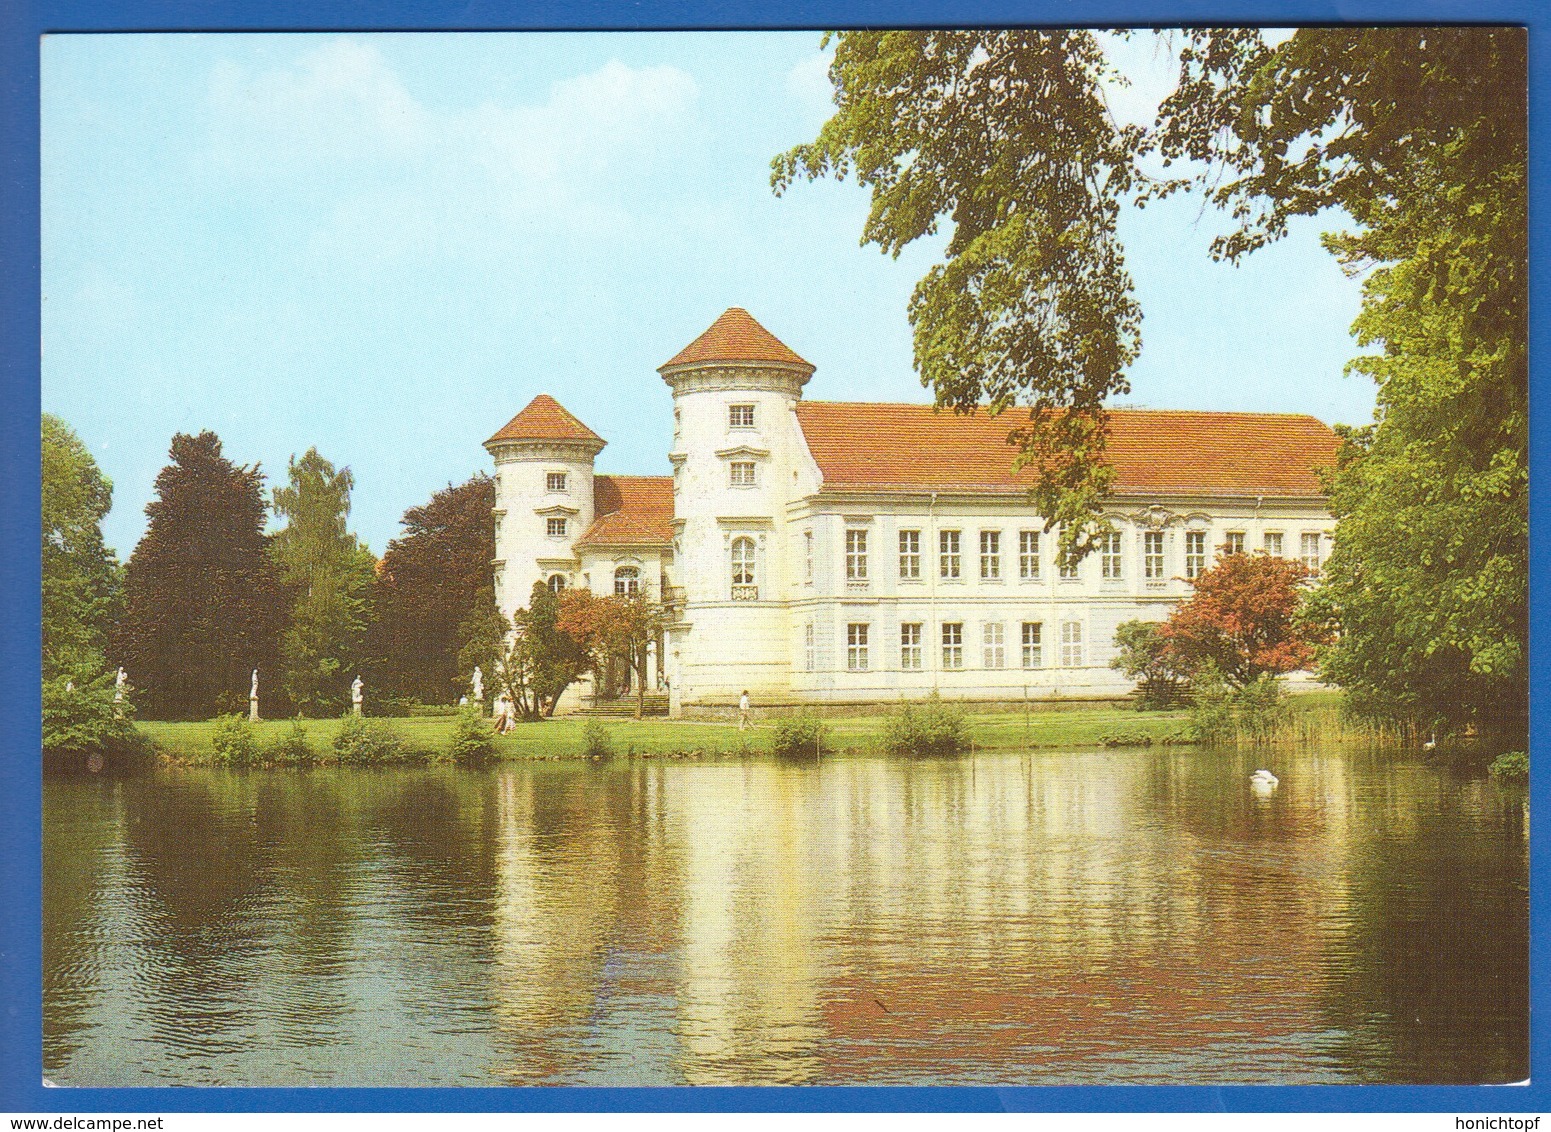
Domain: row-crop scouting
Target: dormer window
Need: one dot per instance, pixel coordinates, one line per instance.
(554, 527)
(554, 481)
(740, 416)
(741, 473)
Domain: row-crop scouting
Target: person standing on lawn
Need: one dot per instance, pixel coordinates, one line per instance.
(743, 711)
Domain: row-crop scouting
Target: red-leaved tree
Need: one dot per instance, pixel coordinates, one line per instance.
(1243, 620)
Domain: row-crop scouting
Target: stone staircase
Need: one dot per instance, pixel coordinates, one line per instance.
(624, 707)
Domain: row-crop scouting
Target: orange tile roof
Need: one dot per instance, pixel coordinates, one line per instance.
(735, 337)
(1153, 451)
(631, 511)
(545, 419)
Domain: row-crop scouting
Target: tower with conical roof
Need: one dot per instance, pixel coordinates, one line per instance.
(738, 459)
(544, 498)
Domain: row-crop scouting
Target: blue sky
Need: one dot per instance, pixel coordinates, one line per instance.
(386, 245)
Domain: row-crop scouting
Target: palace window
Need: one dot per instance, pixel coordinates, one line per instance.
(1195, 553)
(953, 644)
(1309, 548)
(994, 638)
(948, 560)
(809, 648)
(556, 583)
(740, 416)
(1033, 646)
(991, 556)
(1274, 543)
(554, 528)
(856, 555)
(627, 581)
(909, 554)
(807, 556)
(1233, 542)
(856, 647)
(554, 481)
(1071, 644)
(740, 473)
(1028, 555)
(1110, 565)
(744, 585)
(1152, 555)
(910, 646)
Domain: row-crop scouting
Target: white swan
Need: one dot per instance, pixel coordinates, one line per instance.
(1263, 780)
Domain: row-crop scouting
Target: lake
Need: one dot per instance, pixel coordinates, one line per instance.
(1091, 917)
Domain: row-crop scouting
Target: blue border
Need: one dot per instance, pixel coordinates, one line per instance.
(23, 21)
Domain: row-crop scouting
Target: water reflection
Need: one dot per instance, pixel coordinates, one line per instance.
(1104, 916)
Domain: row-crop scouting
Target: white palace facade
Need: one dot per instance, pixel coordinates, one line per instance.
(849, 553)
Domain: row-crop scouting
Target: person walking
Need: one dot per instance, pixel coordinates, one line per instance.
(743, 711)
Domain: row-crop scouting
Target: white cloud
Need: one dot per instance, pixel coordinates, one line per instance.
(397, 178)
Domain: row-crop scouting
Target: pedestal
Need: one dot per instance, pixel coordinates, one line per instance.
(356, 708)
(253, 709)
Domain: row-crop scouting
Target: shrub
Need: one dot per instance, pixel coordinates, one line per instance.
(596, 743)
(1220, 713)
(234, 742)
(293, 748)
(472, 740)
(84, 720)
(1513, 765)
(930, 727)
(365, 742)
(1145, 656)
(417, 710)
(798, 735)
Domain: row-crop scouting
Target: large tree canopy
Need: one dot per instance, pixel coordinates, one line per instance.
(328, 578)
(1004, 134)
(1417, 133)
(200, 595)
(80, 575)
(430, 583)
(1420, 135)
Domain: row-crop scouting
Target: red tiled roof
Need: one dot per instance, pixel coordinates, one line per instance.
(735, 337)
(631, 511)
(1153, 451)
(545, 419)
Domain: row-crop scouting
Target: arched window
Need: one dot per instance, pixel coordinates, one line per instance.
(744, 585)
(627, 580)
(556, 583)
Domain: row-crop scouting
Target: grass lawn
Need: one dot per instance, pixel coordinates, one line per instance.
(1069, 727)
(1064, 727)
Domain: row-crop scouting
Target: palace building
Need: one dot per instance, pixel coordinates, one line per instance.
(840, 553)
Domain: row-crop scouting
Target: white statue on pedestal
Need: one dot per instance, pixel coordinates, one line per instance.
(253, 698)
(355, 695)
(479, 685)
(118, 685)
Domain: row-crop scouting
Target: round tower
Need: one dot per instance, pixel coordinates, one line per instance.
(543, 498)
(735, 446)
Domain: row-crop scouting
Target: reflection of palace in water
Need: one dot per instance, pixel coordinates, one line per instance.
(1106, 916)
(872, 919)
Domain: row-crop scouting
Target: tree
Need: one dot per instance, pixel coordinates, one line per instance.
(1006, 135)
(1243, 620)
(482, 637)
(559, 659)
(1146, 656)
(1418, 133)
(201, 600)
(327, 576)
(81, 580)
(431, 581)
(617, 626)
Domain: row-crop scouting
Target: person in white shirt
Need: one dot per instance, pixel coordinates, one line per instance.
(743, 711)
